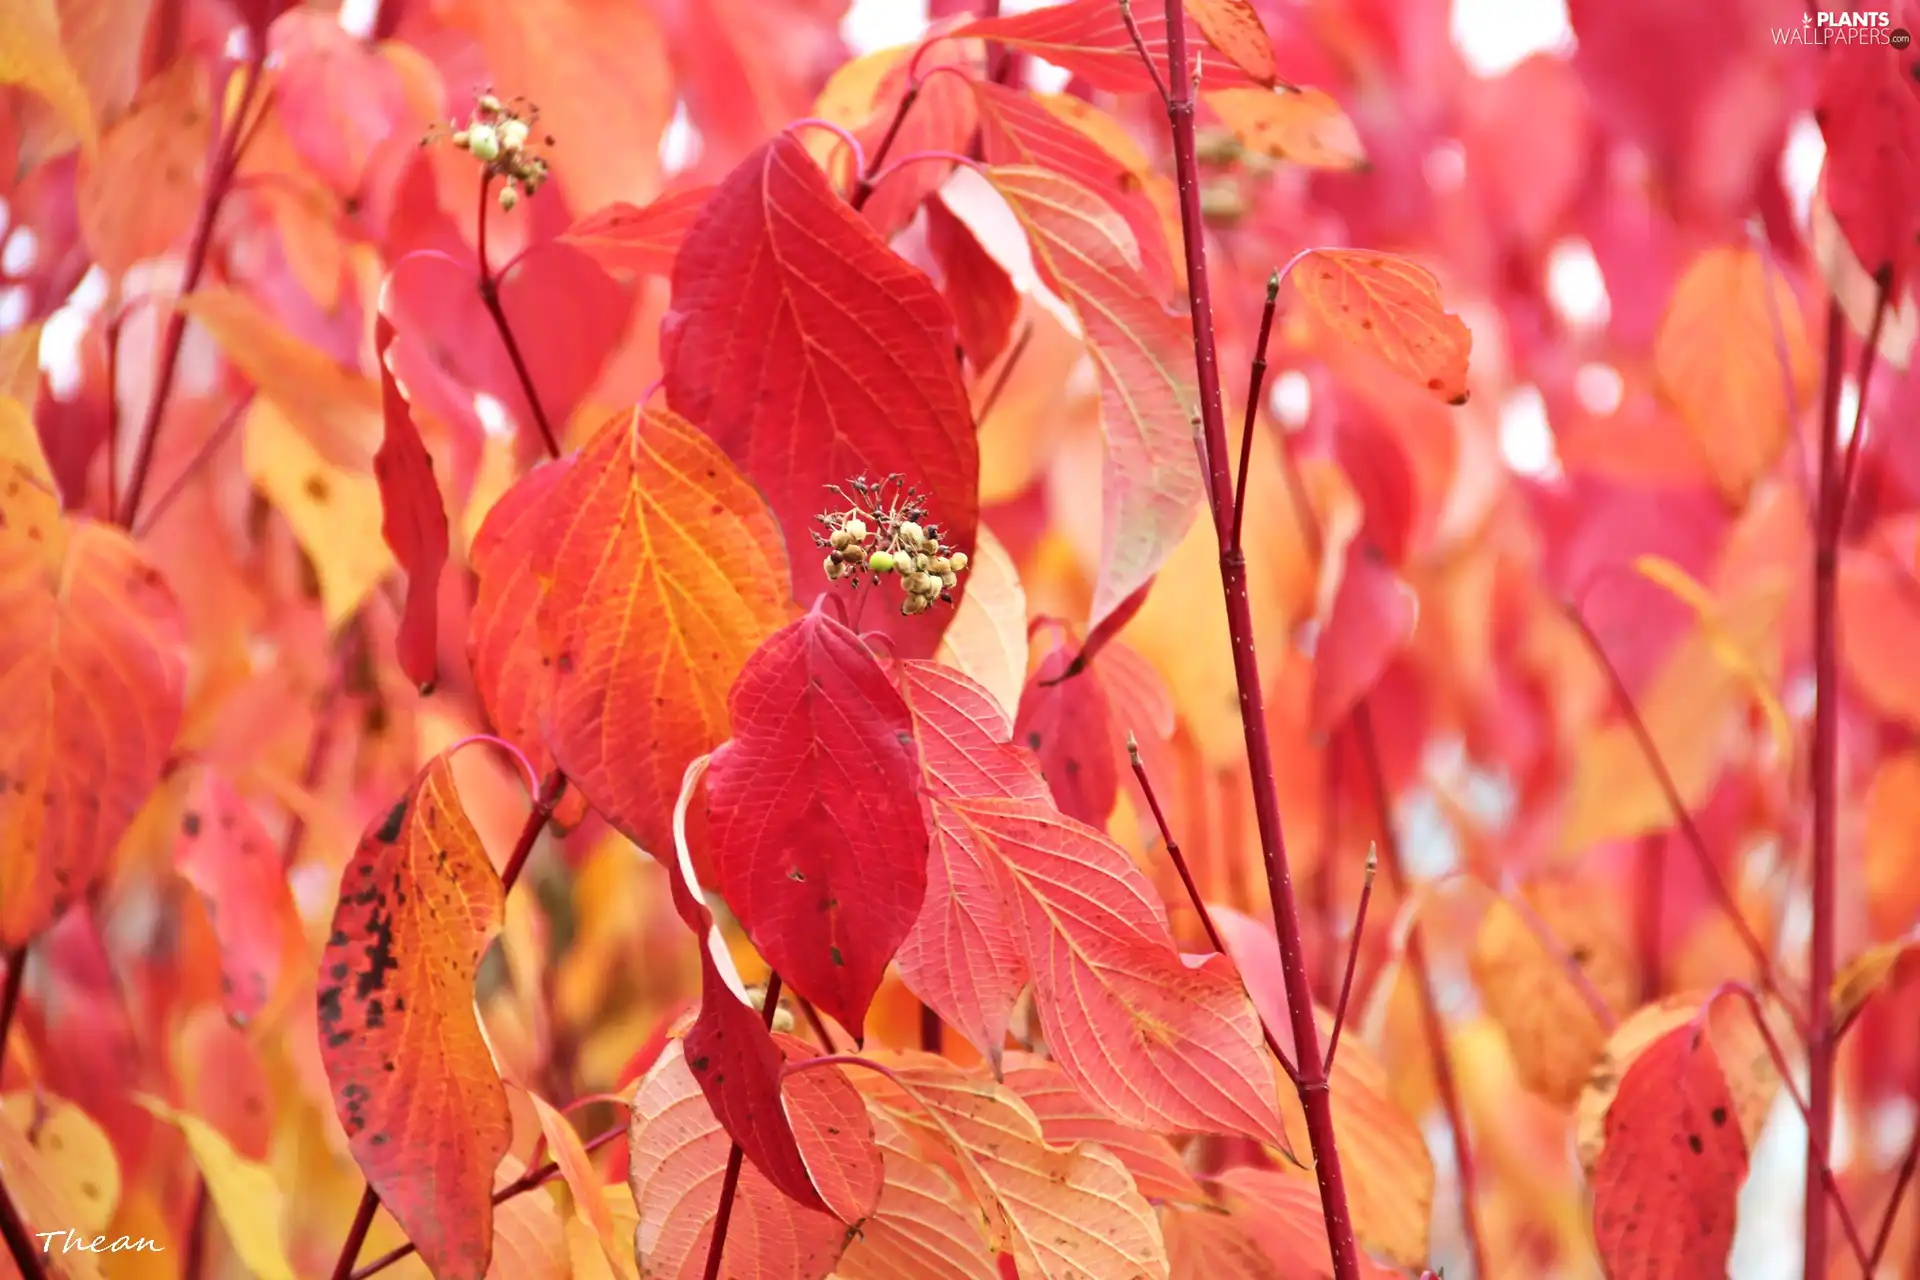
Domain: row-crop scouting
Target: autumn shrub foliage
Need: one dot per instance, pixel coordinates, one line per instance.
(635, 646)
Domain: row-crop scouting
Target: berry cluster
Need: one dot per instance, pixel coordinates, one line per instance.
(875, 535)
(498, 135)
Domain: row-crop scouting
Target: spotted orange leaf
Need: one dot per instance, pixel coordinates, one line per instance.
(413, 1080)
(819, 841)
(1150, 484)
(1233, 27)
(1391, 307)
(1149, 1039)
(664, 574)
(93, 672)
(1304, 126)
(139, 195)
(924, 1225)
(1066, 1117)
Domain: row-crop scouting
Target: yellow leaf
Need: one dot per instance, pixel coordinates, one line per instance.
(1106, 132)
(1871, 970)
(32, 55)
(20, 443)
(77, 1157)
(243, 1192)
(20, 363)
(335, 514)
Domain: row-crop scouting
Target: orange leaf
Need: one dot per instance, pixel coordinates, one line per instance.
(1892, 837)
(1150, 484)
(1880, 615)
(678, 1158)
(620, 236)
(1063, 1213)
(1553, 1033)
(1870, 972)
(1280, 1209)
(503, 640)
(1066, 1117)
(1717, 358)
(1233, 27)
(1391, 307)
(40, 1194)
(139, 195)
(227, 856)
(664, 574)
(1149, 1039)
(76, 1157)
(1305, 126)
(32, 55)
(93, 664)
(924, 1226)
(412, 1076)
(569, 1154)
(1089, 38)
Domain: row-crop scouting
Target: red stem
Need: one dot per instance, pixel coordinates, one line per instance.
(226, 146)
(1826, 755)
(1864, 380)
(1892, 1211)
(1353, 962)
(1649, 908)
(864, 185)
(490, 296)
(1431, 1023)
(551, 792)
(113, 414)
(519, 1186)
(1254, 384)
(356, 1234)
(10, 997)
(19, 1243)
(1316, 1100)
(730, 1184)
(1179, 861)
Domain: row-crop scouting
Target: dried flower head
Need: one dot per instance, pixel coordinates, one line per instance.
(884, 529)
(500, 136)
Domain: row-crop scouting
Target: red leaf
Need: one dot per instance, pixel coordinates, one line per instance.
(811, 352)
(819, 841)
(226, 855)
(1150, 486)
(413, 519)
(1016, 130)
(664, 574)
(978, 288)
(1098, 638)
(961, 957)
(1068, 725)
(1372, 619)
(1666, 1183)
(413, 1080)
(1089, 38)
(625, 238)
(566, 313)
(1869, 114)
(1151, 1040)
(942, 118)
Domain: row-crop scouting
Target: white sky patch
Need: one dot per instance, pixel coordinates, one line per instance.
(1494, 36)
(60, 338)
(493, 416)
(1849, 406)
(1290, 399)
(679, 141)
(1599, 388)
(1526, 441)
(871, 25)
(1800, 164)
(356, 17)
(1445, 167)
(1576, 286)
(22, 247)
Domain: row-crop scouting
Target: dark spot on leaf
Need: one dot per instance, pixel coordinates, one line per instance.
(317, 489)
(833, 953)
(700, 1064)
(1033, 739)
(1693, 1141)
(797, 876)
(191, 823)
(1719, 1116)
(390, 829)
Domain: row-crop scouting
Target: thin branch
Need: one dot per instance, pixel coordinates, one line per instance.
(356, 1234)
(225, 149)
(526, 1182)
(1682, 816)
(1431, 1022)
(1353, 962)
(730, 1184)
(1316, 1101)
(1863, 380)
(1193, 891)
(490, 296)
(10, 996)
(1826, 789)
(1901, 1181)
(1140, 45)
(1649, 908)
(814, 1021)
(864, 185)
(215, 438)
(1006, 372)
(1255, 382)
